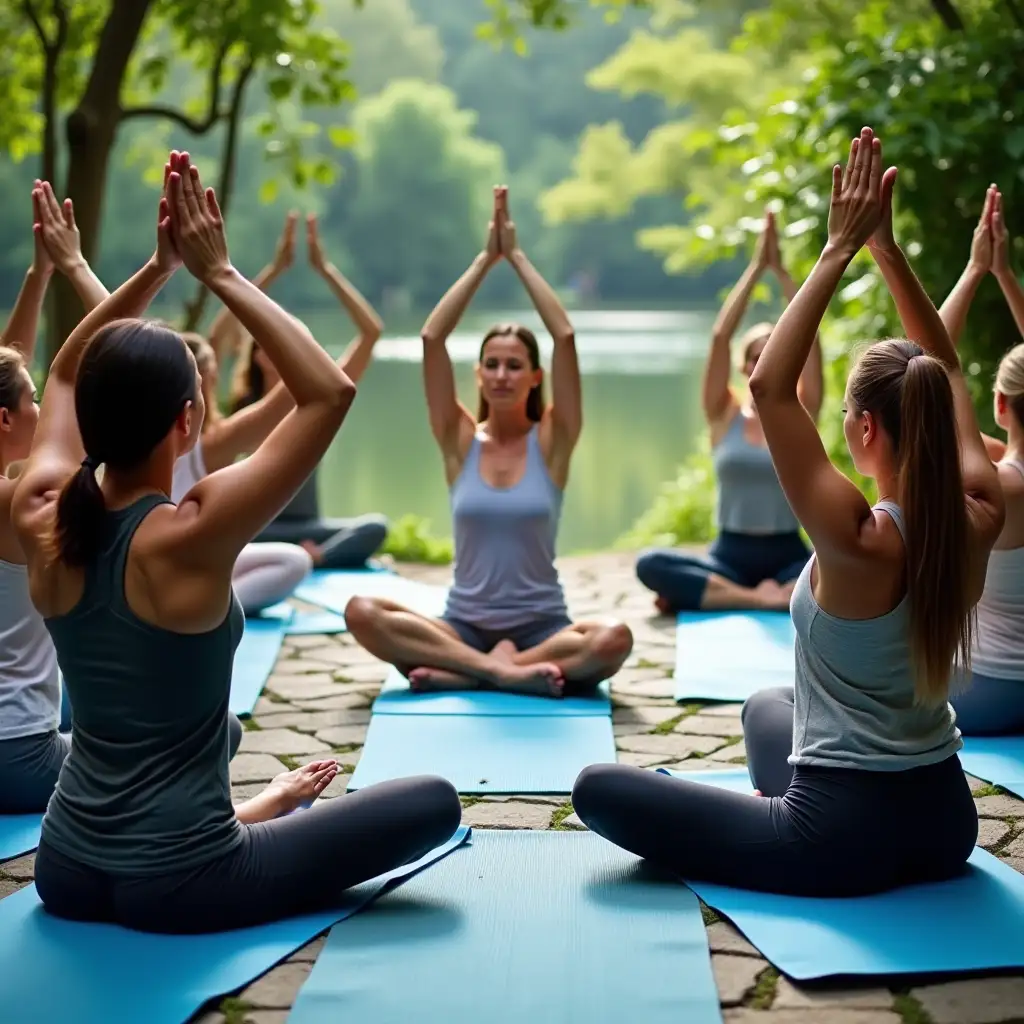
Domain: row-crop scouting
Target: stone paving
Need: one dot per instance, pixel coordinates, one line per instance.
(318, 700)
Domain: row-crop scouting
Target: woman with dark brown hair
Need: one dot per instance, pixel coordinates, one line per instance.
(506, 623)
(758, 553)
(862, 786)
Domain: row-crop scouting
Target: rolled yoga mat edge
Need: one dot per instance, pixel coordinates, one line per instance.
(254, 661)
(998, 760)
(519, 926)
(102, 974)
(728, 656)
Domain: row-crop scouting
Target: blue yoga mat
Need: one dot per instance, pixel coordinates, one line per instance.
(303, 623)
(395, 698)
(485, 754)
(56, 970)
(996, 759)
(973, 923)
(332, 590)
(19, 833)
(254, 661)
(521, 926)
(727, 656)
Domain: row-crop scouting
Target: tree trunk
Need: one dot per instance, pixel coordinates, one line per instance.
(91, 131)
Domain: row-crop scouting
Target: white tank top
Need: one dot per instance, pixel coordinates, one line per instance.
(29, 679)
(998, 649)
(188, 471)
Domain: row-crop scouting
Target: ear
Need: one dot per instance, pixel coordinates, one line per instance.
(869, 428)
(538, 378)
(1001, 403)
(183, 423)
(5, 419)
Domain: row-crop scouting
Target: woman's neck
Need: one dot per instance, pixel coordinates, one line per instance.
(122, 488)
(510, 426)
(1015, 442)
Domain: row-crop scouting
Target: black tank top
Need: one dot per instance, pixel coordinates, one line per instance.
(145, 788)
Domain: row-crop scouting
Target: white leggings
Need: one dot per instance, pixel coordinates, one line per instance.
(266, 573)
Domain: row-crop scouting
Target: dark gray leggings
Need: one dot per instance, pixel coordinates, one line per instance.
(297, 864)
(816, 832)
(990, 706)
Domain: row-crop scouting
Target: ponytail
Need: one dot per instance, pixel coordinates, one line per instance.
(80, 515)
(931, 495)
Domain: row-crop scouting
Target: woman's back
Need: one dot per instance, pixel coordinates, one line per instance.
(145, 788)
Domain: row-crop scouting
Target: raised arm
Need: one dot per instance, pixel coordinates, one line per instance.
(811, 387)
(226, 334)
(716, 396)
(1001, 267)
(225, 510)
(23, 323)
(368, 325)
(953, 312)
(57, 450)
(451, 423)
(922, 323)
(565, 413)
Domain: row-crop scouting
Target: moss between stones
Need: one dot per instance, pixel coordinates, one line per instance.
(986, 791)
(559, 815)
(468, 801)
(234, 1010)
(250, 725)
(763, 994)
(274, 698)
(663, 728)
(710, 916)
(288, 761)
(910, 1010)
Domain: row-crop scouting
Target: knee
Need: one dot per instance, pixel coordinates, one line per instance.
(438, 801)
(768, 699)
(373, 529)
(361, 616)
(590, 791)
(613, 644)
(650, 567)
(300, 564)
(235, 731)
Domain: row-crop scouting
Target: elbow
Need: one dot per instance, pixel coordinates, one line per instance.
(342, 390)
(764, 390)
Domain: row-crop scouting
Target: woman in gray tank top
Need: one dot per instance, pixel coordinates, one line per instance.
(33, 722)
(136, 593)
(989, 699)
(758, 552)
(861, 788)
(506, 623)
(333, 543)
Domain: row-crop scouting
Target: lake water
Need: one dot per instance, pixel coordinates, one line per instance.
(641, 373)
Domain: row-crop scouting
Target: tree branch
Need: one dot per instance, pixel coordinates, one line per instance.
(194, 309)
(190, 124)
(30, 12)
(949, 15)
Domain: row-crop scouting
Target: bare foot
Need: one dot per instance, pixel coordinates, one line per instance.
(662, 605)
(544, 679)
(772, 595)
(427, 680)
(313, 550)
(505, 652)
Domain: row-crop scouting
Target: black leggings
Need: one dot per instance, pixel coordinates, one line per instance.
(742, 558)
(344, 543)
(298, 864)
(816, 832)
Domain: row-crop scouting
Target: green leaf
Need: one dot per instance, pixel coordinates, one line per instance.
(341, 136)
(268, 190)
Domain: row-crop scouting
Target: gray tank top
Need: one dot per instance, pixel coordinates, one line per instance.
(854, 703)
(505, 573)
(145, 789)
(750, 497)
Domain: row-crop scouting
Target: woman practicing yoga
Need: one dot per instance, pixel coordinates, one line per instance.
(332, 543)
(136, 593)
(989, 700)
(33, 740)
(506, 623)
(863, 789)
(758, 553)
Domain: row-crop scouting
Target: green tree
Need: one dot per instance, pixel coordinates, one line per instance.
(423, 188)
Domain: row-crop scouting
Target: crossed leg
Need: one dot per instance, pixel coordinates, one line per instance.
(432, 656)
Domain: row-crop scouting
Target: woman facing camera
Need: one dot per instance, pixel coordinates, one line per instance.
(506, 623)
(989, 699)
(758, 553)
(862, 787)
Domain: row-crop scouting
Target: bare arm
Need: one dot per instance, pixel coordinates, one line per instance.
(811, 387)
(23, 323)
(225, 510)
(566, 409)
(954, 310)
(226, 334)
(716, 397)
(1004, 274)
(368, 324)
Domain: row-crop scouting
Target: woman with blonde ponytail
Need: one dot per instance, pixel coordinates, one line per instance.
(989, 696)
(860, 788)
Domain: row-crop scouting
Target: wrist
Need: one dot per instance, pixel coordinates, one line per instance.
(219, 277)
(973, 273)
(36, 272)
(516, 257)
(839, 253)
(1005, 273)
(74, 266)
